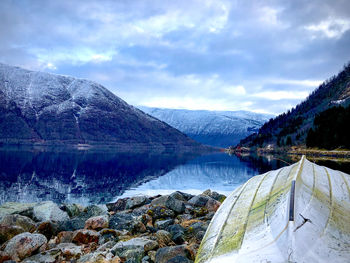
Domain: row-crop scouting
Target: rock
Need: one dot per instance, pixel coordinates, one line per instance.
(139, 227)
(209, 216)
(107, 246)
(199, 200)
(140, 210)
(166, 253)
(25, 209)
(177, 233)
(161, 212)
(107, 235)
(84, 236)
(207, 192)
(27, 224)
(179, 259)
(121, 221)
(147, 220)
(163, 237)
(178, 196)
(65, 237)
(73, 209)
(132, 255)
(200, 211)
(8, 232)
(47, 228)
(199, 235)
(145, 259)
(89, 248)
(5, 257)
(218, 197)
(160, 201)
(118, 206)
(97, 222)
(176, 205)
(69, 250)
(197, 227)
(152, 255)
(135, 243)
(94, 210)
(72, 224)
(186, 195)
(49, 211)
(212, 205)
(163, 224)
(24, 244)
(136, 201)
(99, 257)
(42, 258)
(184, 217)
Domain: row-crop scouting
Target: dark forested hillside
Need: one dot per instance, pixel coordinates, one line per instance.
(292, 127)
(331, 129)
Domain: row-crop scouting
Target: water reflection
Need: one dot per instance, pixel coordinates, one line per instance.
(78, 176)
(99, 177)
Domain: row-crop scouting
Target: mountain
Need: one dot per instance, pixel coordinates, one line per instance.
(38, 107)
(216, 128)
(291, 128)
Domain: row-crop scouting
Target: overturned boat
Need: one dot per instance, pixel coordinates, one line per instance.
(299, 213)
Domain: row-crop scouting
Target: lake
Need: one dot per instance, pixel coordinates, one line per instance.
(86, 176)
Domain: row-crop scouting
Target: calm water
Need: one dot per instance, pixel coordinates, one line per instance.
(99, 177)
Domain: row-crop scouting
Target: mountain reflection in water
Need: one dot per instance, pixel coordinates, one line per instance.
(102, 176)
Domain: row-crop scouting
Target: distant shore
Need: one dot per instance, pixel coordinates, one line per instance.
(338, 153)
(163, 228)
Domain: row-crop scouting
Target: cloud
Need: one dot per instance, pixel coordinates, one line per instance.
(279, 95)
(201, 54)
(331, 28)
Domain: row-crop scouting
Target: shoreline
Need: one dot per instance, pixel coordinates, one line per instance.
(162, 228)
(294, 151)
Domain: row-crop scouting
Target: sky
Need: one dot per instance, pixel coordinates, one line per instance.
(261, 56)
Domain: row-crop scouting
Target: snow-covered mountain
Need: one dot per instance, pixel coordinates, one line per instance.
(216, 128)
(49, 108)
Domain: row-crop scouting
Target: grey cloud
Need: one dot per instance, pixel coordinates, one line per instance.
(173, 48)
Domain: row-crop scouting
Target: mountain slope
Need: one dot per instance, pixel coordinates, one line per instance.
(216, 128)
(291, 128)
(48, 108)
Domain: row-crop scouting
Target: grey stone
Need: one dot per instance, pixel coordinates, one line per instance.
(176, 205)
(163, 237)
(24, 222)
(49, 211)
(166, 253)
(136, 201)
(94, 210)
(121, 221)
(199, 200)
(9, 208)
(72, 224)
(161, 212)
(160, 201)
(177, 195)
(42, 258)
(97, 256)
(179, 259)
(24, 244)
(177, 233)
(163, 224)
(73, 209)
(135, 243)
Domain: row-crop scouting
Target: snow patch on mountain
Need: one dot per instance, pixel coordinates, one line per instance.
(217, 128)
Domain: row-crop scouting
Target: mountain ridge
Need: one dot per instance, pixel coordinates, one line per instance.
(39, 107)
(292, 127)
(215, 128)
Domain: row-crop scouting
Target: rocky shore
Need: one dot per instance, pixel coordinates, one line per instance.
(161, 229)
